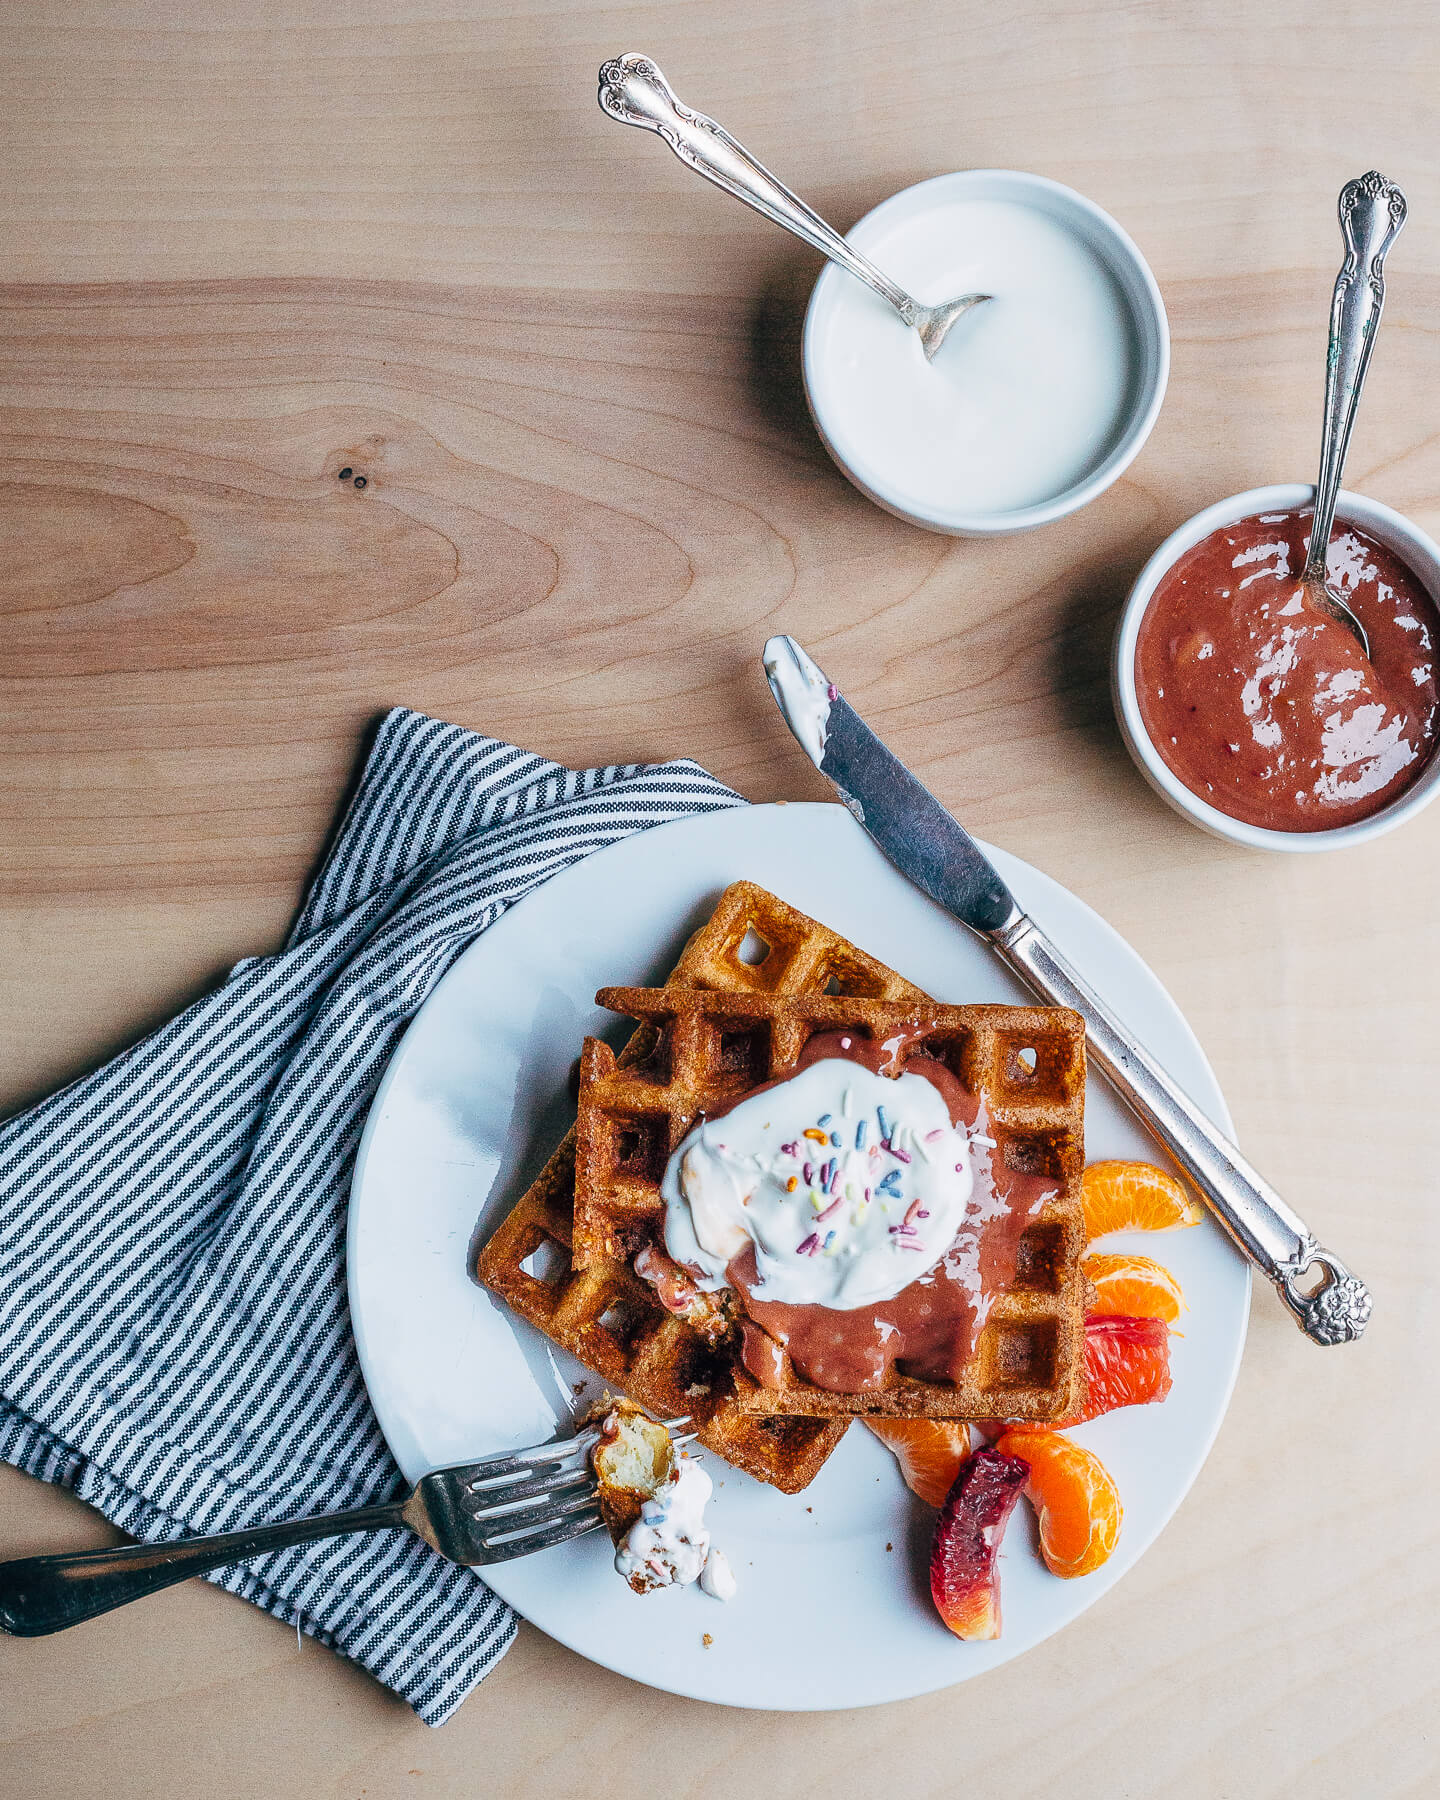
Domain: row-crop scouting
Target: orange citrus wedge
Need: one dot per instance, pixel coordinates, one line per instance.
(1072, 1492)
(929, 1452)
(1134, 1286)
(1134, 1196)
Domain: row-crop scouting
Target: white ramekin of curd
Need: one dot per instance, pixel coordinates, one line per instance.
(1036, 402)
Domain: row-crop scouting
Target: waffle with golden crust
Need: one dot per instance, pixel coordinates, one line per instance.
(1028, 1360)
(678, 1355)
(755, 946)
(613, 1322)
(601, 1311)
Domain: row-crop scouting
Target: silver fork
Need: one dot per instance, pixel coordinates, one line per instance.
(489, 1511)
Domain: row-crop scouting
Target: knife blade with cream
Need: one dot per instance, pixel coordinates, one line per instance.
(940, 857)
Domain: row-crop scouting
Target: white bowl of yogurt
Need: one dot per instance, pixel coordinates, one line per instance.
(1036, 402)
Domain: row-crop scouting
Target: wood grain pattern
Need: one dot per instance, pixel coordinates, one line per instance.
(248, 247)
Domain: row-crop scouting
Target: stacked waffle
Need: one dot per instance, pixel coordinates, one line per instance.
(750, 989)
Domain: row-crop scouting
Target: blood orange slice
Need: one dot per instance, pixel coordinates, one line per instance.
(1127, 1363)
(964, 1579)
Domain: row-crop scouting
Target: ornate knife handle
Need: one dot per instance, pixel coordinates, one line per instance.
(633, 90)
(1273, 1237)
(1372, 211)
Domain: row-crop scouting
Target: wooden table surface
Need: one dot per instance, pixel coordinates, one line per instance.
(247, 244)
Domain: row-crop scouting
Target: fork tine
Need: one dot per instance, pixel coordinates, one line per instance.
(574, 1527)
(515, 1494)
(517, 1466)
(509, 1526)
(487, 1481)
(555, 1452)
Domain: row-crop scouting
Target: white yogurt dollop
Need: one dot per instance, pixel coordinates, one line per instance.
(668, 1544)
(1028, 393)
(848, 1184)
(717, 1578)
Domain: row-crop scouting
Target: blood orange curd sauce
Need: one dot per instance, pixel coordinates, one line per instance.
(859, 1211)
(1266, 709)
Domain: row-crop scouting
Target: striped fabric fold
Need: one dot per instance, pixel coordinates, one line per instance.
(175, 1344)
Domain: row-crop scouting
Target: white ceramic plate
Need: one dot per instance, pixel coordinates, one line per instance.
(834, 1607)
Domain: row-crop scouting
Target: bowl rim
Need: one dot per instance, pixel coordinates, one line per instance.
(1421, 555)
(1137, 284)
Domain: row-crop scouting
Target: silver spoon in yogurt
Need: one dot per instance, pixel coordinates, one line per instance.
(1372, 210)
(633, 90)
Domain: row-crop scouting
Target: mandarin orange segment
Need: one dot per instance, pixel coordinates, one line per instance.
(929, 1452)
(1136, 1287)
(1134, 1196)
(1075, 1497)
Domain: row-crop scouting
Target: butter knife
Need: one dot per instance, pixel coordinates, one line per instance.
(925, 843)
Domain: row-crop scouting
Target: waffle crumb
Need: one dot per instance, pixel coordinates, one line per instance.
(707, 1640)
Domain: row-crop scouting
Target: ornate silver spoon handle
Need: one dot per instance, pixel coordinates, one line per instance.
(1372, 211)
(633, 90)
(1273, 1237)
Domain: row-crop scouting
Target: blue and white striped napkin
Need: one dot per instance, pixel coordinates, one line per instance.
(175, 1344)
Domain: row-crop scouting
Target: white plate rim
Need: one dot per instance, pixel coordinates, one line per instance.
(1019, 874)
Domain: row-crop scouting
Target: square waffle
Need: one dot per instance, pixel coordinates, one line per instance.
(713, 1047)
(589, 1300)
(600, 1310)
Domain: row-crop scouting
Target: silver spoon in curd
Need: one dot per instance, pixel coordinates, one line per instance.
(1372, 210)
(633, 90)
